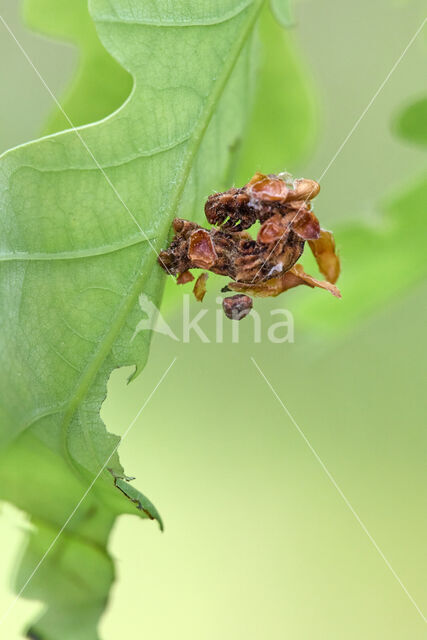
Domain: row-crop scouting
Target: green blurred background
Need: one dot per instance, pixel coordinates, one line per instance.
(258, 542)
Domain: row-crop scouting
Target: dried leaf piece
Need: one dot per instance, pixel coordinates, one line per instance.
(199, 288)
(272, 229)
(201, 250)
(268, 289)
(323, 249)
(237, 307)
(267, 188)
(184, 277)
(306, 225)
(303, 190)
(292, 278)
(305, 278)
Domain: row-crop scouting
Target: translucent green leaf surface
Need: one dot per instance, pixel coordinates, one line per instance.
(73, 262)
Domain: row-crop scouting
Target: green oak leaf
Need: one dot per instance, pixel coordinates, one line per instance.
(73, 263)
(101, 84)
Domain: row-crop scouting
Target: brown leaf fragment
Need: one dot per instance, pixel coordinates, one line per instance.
(303, 190)
(184, 277)
(273, 229)
(199, 288)
(237, 307)
(323, 249)
(306, 225)
(313, 282)
(201, 250)
(267, 289)
(267, 188)
(292, 278)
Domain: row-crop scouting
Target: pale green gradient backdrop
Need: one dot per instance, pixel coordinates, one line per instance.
(258, 543)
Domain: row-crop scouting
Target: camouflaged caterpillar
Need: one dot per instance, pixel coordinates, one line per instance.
(262, 267)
